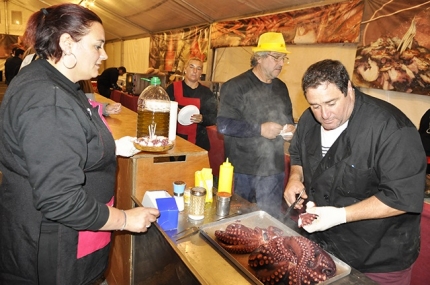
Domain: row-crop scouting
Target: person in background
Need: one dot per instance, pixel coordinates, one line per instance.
(11, 56)
(58, 159)
(107, 108)
(190, 92)
(107, 81)
(12, 65)
(362, 164)
(254, 108)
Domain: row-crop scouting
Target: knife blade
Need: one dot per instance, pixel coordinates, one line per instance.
(299, 198)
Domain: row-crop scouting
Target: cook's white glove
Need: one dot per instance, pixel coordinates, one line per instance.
(328, 217)
(125, 146)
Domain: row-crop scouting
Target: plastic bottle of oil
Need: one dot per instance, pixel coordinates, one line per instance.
(153, 110)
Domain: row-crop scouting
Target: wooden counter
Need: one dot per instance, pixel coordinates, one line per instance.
(140, 173)
(122, 124)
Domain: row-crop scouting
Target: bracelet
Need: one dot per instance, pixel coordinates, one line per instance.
(125, 220)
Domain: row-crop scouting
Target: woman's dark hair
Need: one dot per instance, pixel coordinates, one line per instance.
(45, 27)
(324, 72)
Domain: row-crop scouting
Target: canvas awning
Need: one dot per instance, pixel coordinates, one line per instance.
(127, 19)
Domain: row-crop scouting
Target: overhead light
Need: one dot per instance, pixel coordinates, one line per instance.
(87, 3)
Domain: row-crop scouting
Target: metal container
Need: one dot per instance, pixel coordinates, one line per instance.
(197, 203)
(223, 203)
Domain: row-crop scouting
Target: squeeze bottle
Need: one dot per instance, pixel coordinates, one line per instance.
(225, 177)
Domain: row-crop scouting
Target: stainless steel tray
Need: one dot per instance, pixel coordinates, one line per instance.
(263, 220)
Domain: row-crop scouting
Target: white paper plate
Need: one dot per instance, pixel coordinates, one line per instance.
(184, 115)
(286, 135)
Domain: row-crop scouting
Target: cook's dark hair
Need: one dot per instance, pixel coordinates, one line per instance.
(45, 27)
(324, 72)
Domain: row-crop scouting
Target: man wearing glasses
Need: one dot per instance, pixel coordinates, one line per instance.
(255, 107)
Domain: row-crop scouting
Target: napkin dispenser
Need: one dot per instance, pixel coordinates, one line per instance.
(149, 199)
(169, 213)
(166, 204)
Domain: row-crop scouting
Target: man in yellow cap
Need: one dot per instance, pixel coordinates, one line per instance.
(254, 109)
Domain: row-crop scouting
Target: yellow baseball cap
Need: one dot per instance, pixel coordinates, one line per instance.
(271, 41)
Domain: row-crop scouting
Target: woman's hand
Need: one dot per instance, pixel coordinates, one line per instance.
(113, 108)
(139, 219)
(135, 220)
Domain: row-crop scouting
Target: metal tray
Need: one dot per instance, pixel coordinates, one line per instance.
(263, 220)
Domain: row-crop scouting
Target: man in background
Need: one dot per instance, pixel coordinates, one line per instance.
(191, 92)
(12, 65)
(107, 81)
(254, 108)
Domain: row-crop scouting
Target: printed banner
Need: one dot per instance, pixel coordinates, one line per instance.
(394, 51)
(334, 23)
(170, 51)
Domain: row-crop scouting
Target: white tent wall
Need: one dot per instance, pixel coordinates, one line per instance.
(7, 26)
(133, 54)
(136, 55)
(114, 52)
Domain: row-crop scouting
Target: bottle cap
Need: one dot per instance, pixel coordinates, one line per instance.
(198, 191)
(155, 81)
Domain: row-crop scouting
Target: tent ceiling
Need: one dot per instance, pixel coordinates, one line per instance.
(125, 19)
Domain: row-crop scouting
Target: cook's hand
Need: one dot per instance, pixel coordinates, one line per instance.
(293, 188)
(139, 219)
(270, 130)
(288, 132)
(328, 217)
(114, 108)
(197, 118)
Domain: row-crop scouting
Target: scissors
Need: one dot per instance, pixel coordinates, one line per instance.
(299, 198)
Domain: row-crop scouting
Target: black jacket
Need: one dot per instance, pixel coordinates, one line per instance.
(58, 163)
(246, 103)
(379, 153)
(11, 68)
(108, 79)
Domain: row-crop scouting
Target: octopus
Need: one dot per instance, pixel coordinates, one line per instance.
(293, 260)
(277, 259)
(306, 219)
(238, 238)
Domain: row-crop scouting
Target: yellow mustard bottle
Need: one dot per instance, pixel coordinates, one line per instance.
(225, 177)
